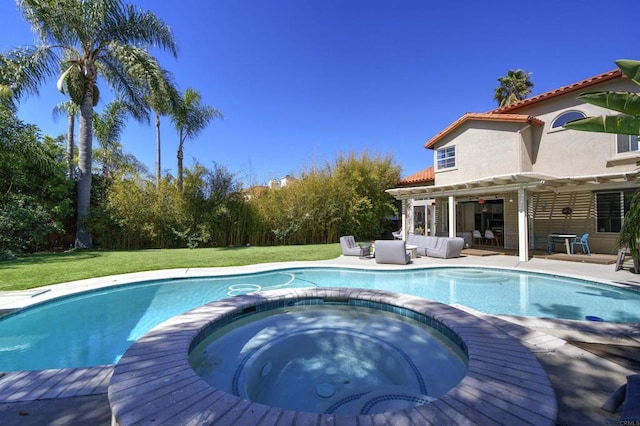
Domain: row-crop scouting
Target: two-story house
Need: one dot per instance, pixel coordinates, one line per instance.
(517, 172)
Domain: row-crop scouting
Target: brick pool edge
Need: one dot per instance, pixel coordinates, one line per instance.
(154, 382)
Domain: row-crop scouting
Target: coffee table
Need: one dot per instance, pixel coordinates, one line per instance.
(365, 248)
(413, 250)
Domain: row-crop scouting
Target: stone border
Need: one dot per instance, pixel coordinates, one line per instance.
(154, 382)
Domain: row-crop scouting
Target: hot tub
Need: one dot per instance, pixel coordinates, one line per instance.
(155, 382)
(331, 357)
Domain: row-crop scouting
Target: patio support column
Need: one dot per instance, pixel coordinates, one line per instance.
(523, 228)
(403, 207)
(432, 220)
(452, 216)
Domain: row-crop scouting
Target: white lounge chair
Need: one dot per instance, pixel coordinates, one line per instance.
(392, 251)
(350, 248)
(397, 234)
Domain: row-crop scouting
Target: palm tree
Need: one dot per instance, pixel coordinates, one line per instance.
(190, 117)
(114, 162)
(108, 127)
(626, 123)
(162, 101)
(93, 37)
(71, 110)
(514, 87)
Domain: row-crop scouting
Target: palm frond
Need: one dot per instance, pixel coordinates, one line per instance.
(25, 69)
(619, 124)
(142, 28)
(630, 68)
(66, 108)
(134, 72)
(191, 116)
(110, 123)
(625, 102)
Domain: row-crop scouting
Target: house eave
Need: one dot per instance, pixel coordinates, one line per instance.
(533, 182)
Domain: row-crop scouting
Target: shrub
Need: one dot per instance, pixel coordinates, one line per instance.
(25, 225)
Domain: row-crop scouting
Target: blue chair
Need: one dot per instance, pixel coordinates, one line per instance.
(545, 242)
(583, 243)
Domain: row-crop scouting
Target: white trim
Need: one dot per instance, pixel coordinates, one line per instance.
(528, 180)
(452, 216)
(523, 228)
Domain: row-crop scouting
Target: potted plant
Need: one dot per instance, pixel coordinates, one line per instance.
(630, 232)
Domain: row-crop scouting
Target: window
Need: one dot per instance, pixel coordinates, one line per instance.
(627, 143)
(610, 209)
(446, 157)
(566, 117)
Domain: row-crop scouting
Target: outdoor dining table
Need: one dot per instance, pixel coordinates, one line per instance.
(566, 238)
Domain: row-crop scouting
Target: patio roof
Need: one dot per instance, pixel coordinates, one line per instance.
(531, 181)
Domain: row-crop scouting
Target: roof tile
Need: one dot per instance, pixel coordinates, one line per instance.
(423, 176)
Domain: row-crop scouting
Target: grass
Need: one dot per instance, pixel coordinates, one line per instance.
(52, 268)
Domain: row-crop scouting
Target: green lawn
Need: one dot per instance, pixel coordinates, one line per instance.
(52, 268)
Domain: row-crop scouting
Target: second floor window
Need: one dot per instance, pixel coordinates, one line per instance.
(566, 117)
(627, 143)
(446, 157)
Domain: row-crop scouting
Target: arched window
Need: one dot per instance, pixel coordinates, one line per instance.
(566, 117)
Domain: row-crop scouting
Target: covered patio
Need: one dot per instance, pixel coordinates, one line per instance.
(533, 207)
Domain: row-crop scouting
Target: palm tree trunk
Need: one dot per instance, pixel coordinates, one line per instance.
(70, 143)
(158, 168)
(180, 157)
(83, 237)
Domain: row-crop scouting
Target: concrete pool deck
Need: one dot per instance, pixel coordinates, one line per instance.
(582, 380)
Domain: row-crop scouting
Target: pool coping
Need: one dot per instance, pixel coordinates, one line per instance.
(154, 382)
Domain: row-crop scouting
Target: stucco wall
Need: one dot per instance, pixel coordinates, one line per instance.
(562, 152)
(488, 148)
(482, 149)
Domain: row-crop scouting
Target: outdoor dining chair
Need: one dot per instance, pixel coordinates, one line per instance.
(583, 242)
(490, 237)
(477, 237)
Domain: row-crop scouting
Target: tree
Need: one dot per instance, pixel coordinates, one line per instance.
(190, 117)
(71, 109)
(108, 127)
(162, 101)
(35, 199)
(514, 87)
(626, 123)
(91, 37)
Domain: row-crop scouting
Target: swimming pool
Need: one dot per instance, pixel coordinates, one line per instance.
(95, 328)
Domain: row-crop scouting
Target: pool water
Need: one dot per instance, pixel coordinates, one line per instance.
(95, 328)
(330, 359)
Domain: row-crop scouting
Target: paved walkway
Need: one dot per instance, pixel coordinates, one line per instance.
(582, 380)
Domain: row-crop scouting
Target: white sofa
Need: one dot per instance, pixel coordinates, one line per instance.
(442, 247)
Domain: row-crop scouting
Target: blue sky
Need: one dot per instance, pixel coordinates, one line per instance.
(300, 81)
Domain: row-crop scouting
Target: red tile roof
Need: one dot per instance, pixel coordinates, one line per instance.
(423, 176)
(513, 118)
(600, 78)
